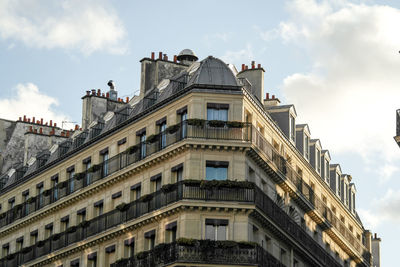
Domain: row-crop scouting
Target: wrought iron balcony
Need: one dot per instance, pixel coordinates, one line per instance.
(192, 128)
(202, 252)
(223, 191)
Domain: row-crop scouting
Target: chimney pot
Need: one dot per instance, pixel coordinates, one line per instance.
(273, 96)
(33, 120)
(76, 127)
(247, 67)
(38, 122)
(41, 130)
(267, 96)
(108, 95)
(35, 130)
(243, 66)
(29, 120)
(93, 91)
(88, 92)
(165, 57)
(41, 121)
(25, 118)
(80, 129)
(159, 55)
(175, 58)
(127, 99)
(30, 128)
(103, 95)
(55, 124)
(98, 92)
(152, 55)
(259, 66)
(62, 133)
(20, 118)
(51, 122)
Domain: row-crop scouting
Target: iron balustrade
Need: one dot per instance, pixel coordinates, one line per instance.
(177, 253)
(186, 189)
(122, 160)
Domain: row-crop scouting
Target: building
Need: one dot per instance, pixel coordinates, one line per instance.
(397, 137)
(198, 169)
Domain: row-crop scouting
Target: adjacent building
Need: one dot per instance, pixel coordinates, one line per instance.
(198, 170)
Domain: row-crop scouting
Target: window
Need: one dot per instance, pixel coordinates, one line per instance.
(216, 229)
(149, 239)
(141, 135)
(283, 256)
(34, 237)
(25, 197)
(162, 126)
(170, 232)
(92, 259)
(252, 175)
(74, 263)
(105, 156)
(327, 179)
(54, 181)
(183, 114)
(318, 163)
(11, 203)
(268, 243)
(87, 163)
(156, 182)
(80, 215)
(306, 146)
(39, 190)
(177, 173)
(292, 128)
(136, 191)
(71, 180)
(217, 111)
(64, 223)
(19, 243)
(129, 247)
(337, 184)
(216, 170)
(98, 208)
(295, 263)
(48, 230)
(6, 250)
(110, 255)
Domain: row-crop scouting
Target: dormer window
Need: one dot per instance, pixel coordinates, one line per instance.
(292, 129)
(318, 159)
(306, 147)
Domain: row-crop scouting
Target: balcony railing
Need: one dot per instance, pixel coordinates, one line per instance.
(289, 174)
(187, 129)
(243, 192)
(203, 252)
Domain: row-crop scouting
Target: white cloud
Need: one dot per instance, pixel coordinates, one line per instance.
(31, 102)
(87, 26)
(385, 209)
(350, 95)
(239, 57)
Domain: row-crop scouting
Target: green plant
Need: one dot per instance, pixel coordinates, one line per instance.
(191, 182)
(40, 243)
(146, 198)
(173, 128)
(94, 168)
(122, 207)
(247, 244)
(168, 188)
(142, 255)
(196, 122)
(160, 248)
(3, 215)
(63, 184)
(10, 256)
(187, 242)
(83, 223)
(31, 200)
(226, 244)
(216, 123)
(26, 249)
(225, 184)
(235, 124)
(56, 236)
(132, 149)
(47, 192)
(79, 176)
(121, 261)
(71, 229)
(151, 139)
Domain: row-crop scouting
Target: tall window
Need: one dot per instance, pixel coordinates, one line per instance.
(19, 243)
(129, 247)
(80, 215)
(149, 239)
(184, 126)
(110, 255)
(98, 208)
(48, 230)
(136, 191)
(156, 182)
(105, 156)
(170, 232)
(25, 196)
(318, 163)
(92, 259)
(39, 190)
(54, 181)
(71, 180)
(216, 229)
(87, 163)
(338, 184)
(177, 173)
(292, 128)
(141, 134)
(162, 126)
(216, 170)
(64, 223)
(11, 203)
(6, 250)
(327, 179)
(217, 111)
(34, 237)
(306, 146)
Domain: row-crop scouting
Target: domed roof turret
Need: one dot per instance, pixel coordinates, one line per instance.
(213, 71)
(187, 55)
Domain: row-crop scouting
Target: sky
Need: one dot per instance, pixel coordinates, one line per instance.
(337, 61)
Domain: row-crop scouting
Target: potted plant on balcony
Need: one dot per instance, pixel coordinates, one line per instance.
(235, 124)
(26, 250)
(132, 149)
(71, 229)
(168, 188)
(173, 128)
(191, 182)
(84, 224)
(122, 207)
(151, 139)
(186, 242)
(196, 122)
(10, 257)
(94, 168)
(142, 255)
(55, 237)
(40, 243)
(31, 200)
(216, 123)
(122, 261)
(3, 215)
(246, 244)
(79, 176)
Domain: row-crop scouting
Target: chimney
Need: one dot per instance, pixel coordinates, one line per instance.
(256, 78)
(41, 121)
(51, 123)
(165, 57)
(55, 124)
(20, 118)
(24, 118)
(270, 102)
(259, 66)
(88, 92)
(98, 92)
(33, 120)
(152, 55)
(243, 67)
(127, 99)
(108, 95)
(159, 55)
(40, 130)
(175, 58)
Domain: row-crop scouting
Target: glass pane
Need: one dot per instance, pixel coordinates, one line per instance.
(210, 232)
(221, 232)
(210, 173)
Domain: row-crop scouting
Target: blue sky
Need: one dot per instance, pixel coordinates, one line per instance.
(337, 61)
